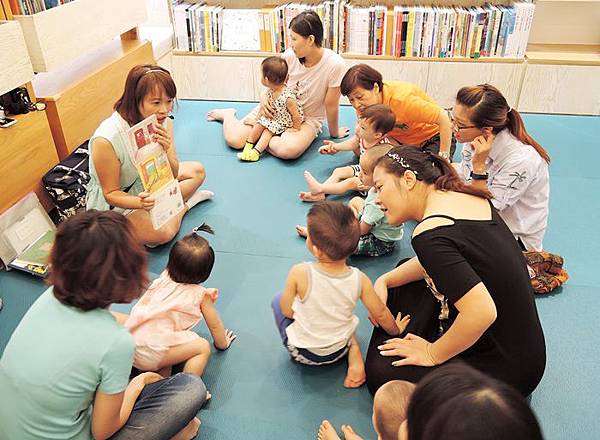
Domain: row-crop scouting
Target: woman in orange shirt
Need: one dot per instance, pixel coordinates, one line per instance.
(420, 121)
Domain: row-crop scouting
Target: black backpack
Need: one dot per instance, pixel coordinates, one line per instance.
(66, 182)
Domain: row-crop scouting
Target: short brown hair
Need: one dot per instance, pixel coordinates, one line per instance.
(334, 229)
(370, 157)
(275, 69)
(191, 259)
(381, 116)
(96, 260)
(389, 405)
(363, 76)
(141, 80)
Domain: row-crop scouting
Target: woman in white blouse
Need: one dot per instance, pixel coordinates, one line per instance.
(501, 156)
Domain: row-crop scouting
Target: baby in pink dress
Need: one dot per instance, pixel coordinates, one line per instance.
(161, 322)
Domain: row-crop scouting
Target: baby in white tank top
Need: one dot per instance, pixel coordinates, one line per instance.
(315, 312)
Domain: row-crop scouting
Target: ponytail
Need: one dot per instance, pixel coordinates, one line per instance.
(428, 168)
(488, 108)
(449, 180)
(517, 128)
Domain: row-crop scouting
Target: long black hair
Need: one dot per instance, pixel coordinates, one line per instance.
(429, 168)
(308, 23)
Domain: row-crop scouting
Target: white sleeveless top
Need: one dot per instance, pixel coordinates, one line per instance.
(324, 320)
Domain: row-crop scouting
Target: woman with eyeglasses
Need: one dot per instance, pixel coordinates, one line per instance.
(501, 156)
(420, 121)
(467, 291)
(314, 74)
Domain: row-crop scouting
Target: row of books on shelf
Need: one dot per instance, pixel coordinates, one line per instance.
(401, 31)
(29, 7)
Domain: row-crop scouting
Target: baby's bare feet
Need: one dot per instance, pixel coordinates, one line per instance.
(356, 376)
(190, 431)
(313, 184)
(327, 432)
(349, 433)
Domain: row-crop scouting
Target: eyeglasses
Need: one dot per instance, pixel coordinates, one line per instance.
(455, 125)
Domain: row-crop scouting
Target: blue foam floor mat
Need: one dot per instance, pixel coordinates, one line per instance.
(258, 393)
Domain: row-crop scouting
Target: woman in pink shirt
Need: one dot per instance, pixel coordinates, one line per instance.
(315, 74)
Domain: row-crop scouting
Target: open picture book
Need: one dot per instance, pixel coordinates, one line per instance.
(26, 237)
(155, 171)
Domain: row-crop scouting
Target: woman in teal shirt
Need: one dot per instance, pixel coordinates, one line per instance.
(65, 371)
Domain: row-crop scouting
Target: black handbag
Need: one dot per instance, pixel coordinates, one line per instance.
(66, 182)
(17, 101)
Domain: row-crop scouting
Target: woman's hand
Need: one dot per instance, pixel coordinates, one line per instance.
(146, 201)
(342, 133)
(481, 145)
(328, 147)
(414, 349)
(161, 135)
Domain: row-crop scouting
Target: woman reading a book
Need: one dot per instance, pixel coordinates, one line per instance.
(315, 74)
(420, 121)
(114, 180)
(65, 371)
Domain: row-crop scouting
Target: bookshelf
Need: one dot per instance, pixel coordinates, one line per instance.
(27, 151)
(562, 58)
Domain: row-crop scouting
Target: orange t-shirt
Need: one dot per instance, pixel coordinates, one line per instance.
(416, 113)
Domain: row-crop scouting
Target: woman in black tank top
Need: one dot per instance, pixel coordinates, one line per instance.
(467, 291)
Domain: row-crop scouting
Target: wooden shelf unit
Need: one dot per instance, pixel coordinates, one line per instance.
(15, 66)
(564, 54)
(59, 35)
(82, 94)
(354, 56)
(27, 153)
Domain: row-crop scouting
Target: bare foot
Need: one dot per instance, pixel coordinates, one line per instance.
(356, 376)
(327, 431)
(349, 433)
(313, 184)
(309, 197)
(189, 432)
(220, 114)
(302, 231)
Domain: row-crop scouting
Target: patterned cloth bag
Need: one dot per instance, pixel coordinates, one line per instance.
(545, 270)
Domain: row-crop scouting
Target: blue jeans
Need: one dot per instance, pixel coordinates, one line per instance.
(164, 408)
(301, 355)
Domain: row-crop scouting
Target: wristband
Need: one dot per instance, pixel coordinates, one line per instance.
(476, 176)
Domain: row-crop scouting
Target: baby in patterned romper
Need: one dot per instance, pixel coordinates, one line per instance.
(287, 115)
